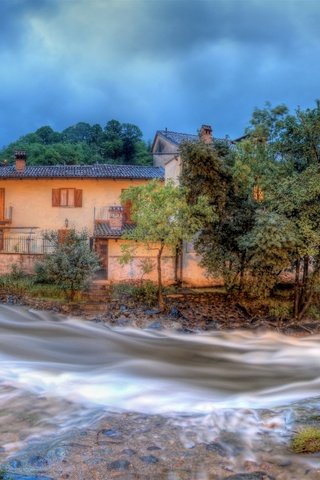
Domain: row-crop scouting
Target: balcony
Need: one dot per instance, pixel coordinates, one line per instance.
(6, 217)
(112, 220)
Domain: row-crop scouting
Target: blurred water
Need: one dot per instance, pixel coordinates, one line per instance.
(59, 373)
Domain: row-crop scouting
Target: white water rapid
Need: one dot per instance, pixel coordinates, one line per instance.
(58, 373)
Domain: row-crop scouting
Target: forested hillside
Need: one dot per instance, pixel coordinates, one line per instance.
(118, 143)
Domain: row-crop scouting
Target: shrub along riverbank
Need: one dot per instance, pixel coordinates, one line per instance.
(134, 303)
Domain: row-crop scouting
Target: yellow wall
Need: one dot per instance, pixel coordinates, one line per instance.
(31, 200)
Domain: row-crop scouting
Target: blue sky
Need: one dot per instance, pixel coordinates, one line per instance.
(155, 63)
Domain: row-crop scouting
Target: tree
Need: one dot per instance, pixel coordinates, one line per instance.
(71, 263)
(209, 169)
(163, 218)
(83, 144)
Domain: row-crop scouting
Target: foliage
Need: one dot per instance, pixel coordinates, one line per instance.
(162, 219)
(307, 441)
(209, 168)
(280, 310)
(17, 287)
(119, 143)
(140, 292)
(266, 192)
(71, 264)
(269, 248)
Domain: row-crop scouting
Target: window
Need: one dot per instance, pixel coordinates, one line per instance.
(66, 197)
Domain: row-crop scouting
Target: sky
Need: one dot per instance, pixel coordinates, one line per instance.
(173, 64)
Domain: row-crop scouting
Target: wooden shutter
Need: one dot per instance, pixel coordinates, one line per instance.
(56, 197)
(78, 198)
(127, 212)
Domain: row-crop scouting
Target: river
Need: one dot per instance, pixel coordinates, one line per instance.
(239, 390)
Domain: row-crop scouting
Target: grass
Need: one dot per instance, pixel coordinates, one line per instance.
(307, 441)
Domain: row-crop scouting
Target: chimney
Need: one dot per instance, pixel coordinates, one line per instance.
(205, 134)
(115, 217)
(20, 160)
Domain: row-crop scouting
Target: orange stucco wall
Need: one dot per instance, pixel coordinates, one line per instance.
(32, 201)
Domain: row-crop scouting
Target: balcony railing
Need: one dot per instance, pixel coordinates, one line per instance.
(7, 216)
(25, 244)
(113, 214)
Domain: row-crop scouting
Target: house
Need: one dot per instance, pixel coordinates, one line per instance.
(165, 149)
(34, 199)
(166, 154)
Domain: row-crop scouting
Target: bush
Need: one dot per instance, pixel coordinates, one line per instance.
(71, 263)
(280, 310)
(307, 441)
(144, 293)
(18, 287)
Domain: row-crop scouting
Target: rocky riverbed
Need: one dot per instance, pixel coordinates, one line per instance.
(129, 445)
(132, 446)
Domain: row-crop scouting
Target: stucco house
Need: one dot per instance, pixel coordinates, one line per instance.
(166, 154)
(165, 149)
(34, 199)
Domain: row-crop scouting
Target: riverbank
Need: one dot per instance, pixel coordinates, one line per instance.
(189, 311)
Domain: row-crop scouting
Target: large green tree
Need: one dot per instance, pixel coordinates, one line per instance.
(209, 169)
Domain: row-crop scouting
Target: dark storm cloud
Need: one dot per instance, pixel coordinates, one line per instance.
(174, 63)
(14, 20)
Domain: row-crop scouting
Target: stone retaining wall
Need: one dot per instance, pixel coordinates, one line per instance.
(25, 262)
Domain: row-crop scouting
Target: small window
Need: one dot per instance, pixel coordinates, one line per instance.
(66, 197)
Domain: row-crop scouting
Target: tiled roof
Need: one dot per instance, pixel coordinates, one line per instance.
(177, 138)
(84, 171)
(102, 229)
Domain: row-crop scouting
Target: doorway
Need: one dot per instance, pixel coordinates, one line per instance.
(101, 247)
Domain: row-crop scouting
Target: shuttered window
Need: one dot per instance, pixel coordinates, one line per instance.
(66, 197)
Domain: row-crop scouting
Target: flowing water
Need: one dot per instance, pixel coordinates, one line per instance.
(232, 387)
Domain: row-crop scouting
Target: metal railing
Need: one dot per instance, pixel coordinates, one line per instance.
(107, 212)
(25, 244)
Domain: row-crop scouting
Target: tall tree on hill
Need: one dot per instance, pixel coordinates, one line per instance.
(83, 144)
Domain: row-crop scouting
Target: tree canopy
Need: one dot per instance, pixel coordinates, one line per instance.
(118, 143)
(266, 192)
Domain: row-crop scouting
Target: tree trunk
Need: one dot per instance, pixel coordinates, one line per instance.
(296, 291)
(242, 270)
(160, 292)
(305, 282)
(309, 291)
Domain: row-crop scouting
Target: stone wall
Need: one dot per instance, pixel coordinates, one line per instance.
(25, 262)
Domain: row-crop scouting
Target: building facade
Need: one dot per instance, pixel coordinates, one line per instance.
(35, 199)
